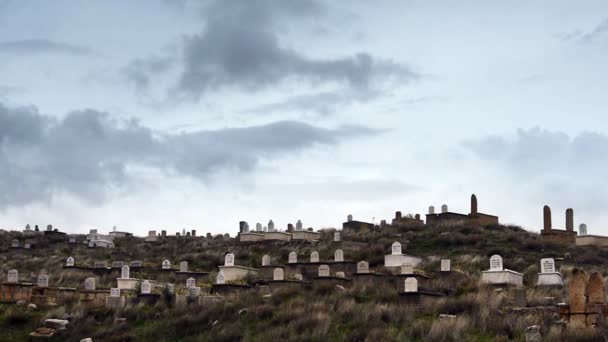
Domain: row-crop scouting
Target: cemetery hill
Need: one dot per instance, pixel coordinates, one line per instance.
(443, 277)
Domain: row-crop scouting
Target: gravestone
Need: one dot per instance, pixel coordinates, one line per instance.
(596, 293)
(431, 210)
(407, 269)
(114, 292)
(547, 265)
(125, 272)
(27, 227)
(411, 285)
(323, 271)
(314, 257)
(299, 225)
(100, 264)
(270, 226)
(193, 233)
(547, 218)
(496, 263)
(396, 248)
(473, 204)
(220, 279)
(12, 276)
(382, 223)
(72, 239)
(27, 246)
(118, 264)
(444, 208)
(49, 227)
(337, 237)
(190, 282)
(15, 243)
(69, 262)
(43, 280)
(582, 229)
(163, 233)
(339, 256)
(349, 218)
(194, 292)
(266, 260)
(183, 266)
(340, 275)
(137, 263)
(146, 288)
(170, 288)
(89, 284)
(298, 277)
(258, 227)
(576, 296)
(229, 259)
(446, 265)
(293, 258)
(398, 215)
(362, 267)
(166, 265)
(278, 274)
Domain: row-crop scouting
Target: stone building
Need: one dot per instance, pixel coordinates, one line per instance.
(474, 217)
(558, 235)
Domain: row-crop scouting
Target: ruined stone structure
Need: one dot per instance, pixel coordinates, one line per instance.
(474, 217)
(357, 226)
(407, 220)
(586, 300)
(558, 235)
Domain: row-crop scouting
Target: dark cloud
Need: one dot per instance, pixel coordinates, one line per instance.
(42, 46)
(87, 152)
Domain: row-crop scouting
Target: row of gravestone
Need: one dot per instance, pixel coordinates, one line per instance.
(16, 244)
(13, 277)
(70, 262)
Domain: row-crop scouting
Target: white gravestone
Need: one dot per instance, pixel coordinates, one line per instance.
(69, 262)
(293, 258)
(12, 276)
(431, 210)
(496, 263)
(314, 257)
(258, 227)
(270, 226)
(340, 275)
(396, 248)
(411, 285)
(170, 288)
(166, 265)
(190, 282)
(15, 243)
(339, 256)
(114, 292)
(89, 284)
(278, 274)
(299, 225)
(446, 265)
(298, 277)
(349, 218)
(27, 246)
(582, 229)
(194, 291)
(323, 271)
(125, 272)
(183, 266)
(407, 269)
(266, 260)
(362, 267)
(444, 208)
(43, 280)
(220, 279)
(229, 259)
(337, 236)
(146, 288)
(547, 265)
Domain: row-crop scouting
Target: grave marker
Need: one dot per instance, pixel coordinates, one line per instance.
(339, 256)
(314, 257)
(396, 248)
(293, 258)
(411, 285)
(43, 280)
(229, 259)
(323, 271)
(12, 276)
(278, 274)
(362, 267)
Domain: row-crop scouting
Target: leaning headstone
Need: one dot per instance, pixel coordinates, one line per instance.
(114, 292)
(220, 279)
(339, 256)
(183, 266)
(229, 259)
(337, 237)
(89, 284)
(293, 258)
(12, 276)
(596, 292)
(146, 288)
(166, 265)
(278, 274)
(496, 263)
(69, 262)
(323, 271)
(43, 280)
(396, 248)
(407, 269)
(446, 265)
(266, 260)
(533, 334)
(125, 272)
(314, 257)
(411, 285)
(190, 282)
(362, 267)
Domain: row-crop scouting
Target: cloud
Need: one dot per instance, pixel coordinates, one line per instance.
(600, 30)
(43, 46)
(88, 153)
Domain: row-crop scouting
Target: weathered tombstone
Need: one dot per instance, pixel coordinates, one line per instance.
(27, 227)
(411, 285)
(431, 210)
(444, 208)
(12, 276)
(89, 284)
(220, 279)
(100, 264)
(473, 204)
(339, 256)
(293, 258)
(117, 264)
(170, 288)
(194, 292)
(299, 225)
(166, 265)
(520, 298)
(533, 334)
(298, 277)
(258, 227)
(72, 239)
(114, 292)
(193, 233)
(340, 275)
(576, 297)
(137, 263)
(229, 259)
(596, 292)
(496, 263)
(163, 233)
(446, 265)
(266, 260)
(337, 237)
(396, 248)
(362, 267)
(270, 226)
(15, 243)
(43, 280)
(146, 288)
(407, 269)
(125, 272)
(27, 245)
(69, 262)
(398, 215)
(546, 218)
(314, 257)
(190, 282)
(547, 265)
(323, 271)
(582, 229)
(570, 220)
(183, 266)
(49, 227)
(349, 218)
(278, 274)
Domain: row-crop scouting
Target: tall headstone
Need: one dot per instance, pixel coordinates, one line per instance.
(362, 267)
(220, 279)
(293, 258)
(278, 274)
(444, 208)
(446, 265)
(397, 215)
(576, 296)
(193, 232)
(411, 284)
(570, 220)
(229, 259)
(582, 229)
(166, 265)
(270, 226)
(190, 282)
(266, 260)
(170, 288)
(43, 280)
(546, 218)
(396, 248)
(349, 218)
(69, 262)
(15, 243)
(473, 204)
(314, 257)
(496, 263)
(146, 288)
(596, 292)
(12, 276)
(299, 225)
(336, 236)
(125, 272)
(339, 256)
(431, 210)
(163, 233)
(547, 265)
(323, 271)
(407, 269)
(183, 266)
(89, 284)
(258, 227)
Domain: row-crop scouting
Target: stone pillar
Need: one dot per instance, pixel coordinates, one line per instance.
(547, 218)
(570, 220)
(398, 215)
(473, 204)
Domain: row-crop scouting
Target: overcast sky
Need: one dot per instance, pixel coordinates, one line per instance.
(152, 114)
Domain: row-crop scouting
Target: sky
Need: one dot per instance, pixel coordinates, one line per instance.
(171, 114)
